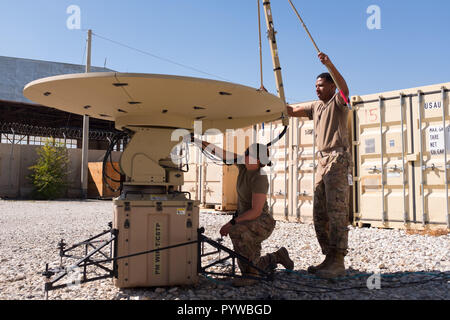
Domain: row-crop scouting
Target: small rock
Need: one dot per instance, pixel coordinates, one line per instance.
(228, 294)
(18, 278)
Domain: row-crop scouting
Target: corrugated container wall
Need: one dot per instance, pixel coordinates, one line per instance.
(402, 140)
(399, 141)
(302, 164)
(278, 173)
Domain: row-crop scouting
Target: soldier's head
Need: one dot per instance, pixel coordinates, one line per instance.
(257, 156)
(325, 87)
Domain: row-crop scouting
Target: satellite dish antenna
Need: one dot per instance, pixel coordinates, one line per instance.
(153, 106)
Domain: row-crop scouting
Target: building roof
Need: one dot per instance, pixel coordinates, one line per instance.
(15, 73)
(25, 116)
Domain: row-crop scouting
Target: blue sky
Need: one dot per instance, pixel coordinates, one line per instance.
(221, 38)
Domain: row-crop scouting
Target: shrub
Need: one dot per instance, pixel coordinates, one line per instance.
(49, 174)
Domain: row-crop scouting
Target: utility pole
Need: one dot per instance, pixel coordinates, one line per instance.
(85, 146)
(275, 58)
(288, 174)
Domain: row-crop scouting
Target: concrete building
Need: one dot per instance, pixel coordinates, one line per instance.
(15, 73)
(25, 125)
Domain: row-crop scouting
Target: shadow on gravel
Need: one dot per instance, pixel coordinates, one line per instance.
(299, 285)
(428, 285)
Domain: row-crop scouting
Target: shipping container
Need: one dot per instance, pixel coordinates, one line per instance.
(301, 155)
(277, 173)
(401, 140)
(303, 158)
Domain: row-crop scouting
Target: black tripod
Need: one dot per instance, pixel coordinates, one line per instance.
(98, 247)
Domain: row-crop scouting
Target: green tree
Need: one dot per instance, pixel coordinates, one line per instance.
(49, 174)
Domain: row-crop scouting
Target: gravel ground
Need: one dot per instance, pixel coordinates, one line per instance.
(410, 266)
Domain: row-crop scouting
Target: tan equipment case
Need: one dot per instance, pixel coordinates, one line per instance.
(153, 223)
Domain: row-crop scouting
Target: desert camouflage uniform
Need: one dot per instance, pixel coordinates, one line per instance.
(331, 190)
(247, 236)
(331, 196)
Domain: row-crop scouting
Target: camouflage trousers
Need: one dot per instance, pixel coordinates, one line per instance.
(247, 237)
(331, 202)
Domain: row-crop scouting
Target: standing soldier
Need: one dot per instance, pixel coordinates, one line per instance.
(331, 189)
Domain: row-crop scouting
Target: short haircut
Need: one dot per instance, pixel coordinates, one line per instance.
(325, 76)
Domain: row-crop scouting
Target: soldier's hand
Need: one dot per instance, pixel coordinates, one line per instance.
(290, 110)
(324, 59)
(225, 230)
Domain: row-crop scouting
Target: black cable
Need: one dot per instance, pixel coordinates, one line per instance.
(442, 276)
(330, 290)
(278, 138)
(111, 160)
(181, 165)
(187, 159)
(106, 177)
(213, 157)
(109, 156)
(218, 161)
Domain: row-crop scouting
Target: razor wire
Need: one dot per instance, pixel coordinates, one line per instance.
(65, 133)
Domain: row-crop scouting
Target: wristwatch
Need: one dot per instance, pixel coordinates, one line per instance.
(233, 222)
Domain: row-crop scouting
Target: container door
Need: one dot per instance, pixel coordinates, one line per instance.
(278, 173)
(213, 173)
(229, 194)
(306, 164)
(234, 141)
(432, 140)
(384, 175)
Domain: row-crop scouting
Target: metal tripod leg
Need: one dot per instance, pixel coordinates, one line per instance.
(232, 254)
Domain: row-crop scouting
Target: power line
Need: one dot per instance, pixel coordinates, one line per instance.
(84, 53)
(160, 58)
(165, 59)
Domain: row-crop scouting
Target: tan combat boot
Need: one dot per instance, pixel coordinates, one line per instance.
(335, 268)
(282, 256)
(314, 269)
